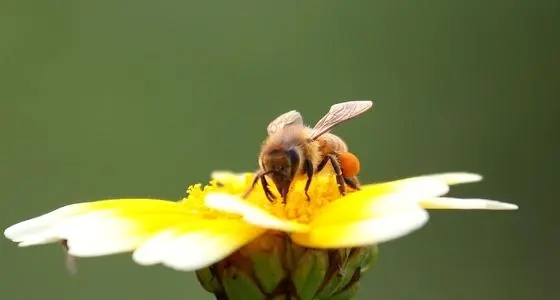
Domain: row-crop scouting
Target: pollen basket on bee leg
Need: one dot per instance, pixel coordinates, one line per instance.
(349, 163)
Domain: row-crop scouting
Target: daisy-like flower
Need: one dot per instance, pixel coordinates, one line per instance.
(253, 248)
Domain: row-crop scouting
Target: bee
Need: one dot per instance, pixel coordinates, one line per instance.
(292, 148)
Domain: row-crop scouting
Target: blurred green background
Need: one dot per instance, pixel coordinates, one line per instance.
(106, 99)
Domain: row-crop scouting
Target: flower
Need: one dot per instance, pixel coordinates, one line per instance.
(213, 228)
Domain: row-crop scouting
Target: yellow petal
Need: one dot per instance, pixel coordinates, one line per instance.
(376, 214)
(365, 232)
(456, 203)
(193, 246)
(378, 200)
(251, 214)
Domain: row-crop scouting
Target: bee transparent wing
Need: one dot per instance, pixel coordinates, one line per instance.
(289, 118)
(338, 114)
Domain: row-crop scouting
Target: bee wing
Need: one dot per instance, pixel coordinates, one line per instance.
(289, 118)
(338, 114)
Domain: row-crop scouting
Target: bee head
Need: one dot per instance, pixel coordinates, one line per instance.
(282, 165)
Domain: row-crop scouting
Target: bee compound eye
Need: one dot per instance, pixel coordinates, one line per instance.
(293, 157)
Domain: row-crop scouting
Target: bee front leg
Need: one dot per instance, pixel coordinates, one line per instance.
(268, 193)
(308, 169)
(255, 180)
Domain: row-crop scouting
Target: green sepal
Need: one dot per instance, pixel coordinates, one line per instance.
(347, 263)
(337, 275)
(348, 292)
(282, 297)
(208, 281)
(360, 258)
(372, 259)
(268, 268)
(239, 286)
(309, 273)
(293, 253)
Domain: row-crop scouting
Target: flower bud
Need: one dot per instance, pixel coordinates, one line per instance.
(272, 267)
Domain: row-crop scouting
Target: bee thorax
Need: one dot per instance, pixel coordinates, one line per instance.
(330, 143)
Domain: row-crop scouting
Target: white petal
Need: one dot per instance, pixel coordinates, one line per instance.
(39, 239)
(419, 187)
(456, 203)
(384, 229)
(251, 214)
(87, 234)
(227, 176)
(39, 230)
(98, 233)
(152, 251)
(188, 251)
(198, 250)
(453, 178)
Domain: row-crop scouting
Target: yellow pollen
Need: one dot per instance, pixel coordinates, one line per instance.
(323, 190)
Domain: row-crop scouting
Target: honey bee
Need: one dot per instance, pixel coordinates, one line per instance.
(292, 148)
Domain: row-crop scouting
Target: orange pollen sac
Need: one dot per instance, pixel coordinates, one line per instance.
(350, 164)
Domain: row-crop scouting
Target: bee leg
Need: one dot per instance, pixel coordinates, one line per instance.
(255, 180)
(322, 163)
(308, 169)
(338, 172)
(269, 195)
(352, 182)
(261, 176)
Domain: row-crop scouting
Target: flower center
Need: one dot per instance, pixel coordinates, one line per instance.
(322, 190)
